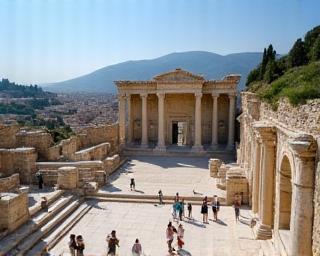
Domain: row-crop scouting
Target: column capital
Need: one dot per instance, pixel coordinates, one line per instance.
(232, 95)
(121, 96)
(128, 95)
(303, 146)
(215, 95)
(265, 132)
(143, 95)
(161, 95)
(198, 94)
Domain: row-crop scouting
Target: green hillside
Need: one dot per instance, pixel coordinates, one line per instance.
(295, 76)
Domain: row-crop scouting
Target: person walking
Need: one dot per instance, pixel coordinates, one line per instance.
(40, 180)
(236, 205)
(132, 182)
(72, 245)
(113, 242)
(182, 206)
(204, 212)
(160, 197)
(215, 207)
(180, 210)
(177, 198)
(80, 245)
(136, 248)
(189, 210)
(170, 235)
(180, 236)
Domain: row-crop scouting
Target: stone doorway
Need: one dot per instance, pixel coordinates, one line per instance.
(179, 133)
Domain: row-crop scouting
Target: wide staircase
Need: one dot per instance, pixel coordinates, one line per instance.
(46, 226)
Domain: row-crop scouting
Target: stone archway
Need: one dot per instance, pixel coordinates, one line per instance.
(285, 194)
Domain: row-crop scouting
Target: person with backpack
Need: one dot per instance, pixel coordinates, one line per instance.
(215, 207)
(113, 242)
(136, 248)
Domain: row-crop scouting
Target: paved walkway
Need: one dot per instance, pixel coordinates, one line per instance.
(170, 174)
(148, 223)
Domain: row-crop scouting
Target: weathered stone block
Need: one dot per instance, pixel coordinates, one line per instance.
(68, 177)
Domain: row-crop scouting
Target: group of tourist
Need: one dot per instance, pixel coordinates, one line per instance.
(170, 232)
(76, 245)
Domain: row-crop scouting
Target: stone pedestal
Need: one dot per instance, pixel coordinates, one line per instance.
(236, 183)
(13, 210)
(68, 177)
(214, 165)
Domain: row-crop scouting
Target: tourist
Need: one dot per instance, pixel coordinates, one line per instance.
(180, 236)
(136, 248)
(170, 235)
(72, 245)
(180, 210)
(205, 199)
(204, 211)
(236, 205)
(215, 207)
(160, 197)
(40, 180)
(44, 203)
(189, 210)
(132, 182)
(80, 245)
(177, 198)
(113, 242)
(182, 206)
(174, 212)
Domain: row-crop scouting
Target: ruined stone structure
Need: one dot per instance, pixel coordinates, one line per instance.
(278, 154)
(177, 108)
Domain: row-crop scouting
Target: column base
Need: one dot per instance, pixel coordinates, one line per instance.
(144, 145)
(263, 232)
(214, 146)
(160, 148)
(197, 148)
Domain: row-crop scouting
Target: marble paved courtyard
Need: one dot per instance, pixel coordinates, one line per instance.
(170, 174)
(148, 223)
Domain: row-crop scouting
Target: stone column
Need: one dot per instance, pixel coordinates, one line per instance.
(301, 223)
(161, 142)
(267, 174)
(256, 176)
(144, 121)
(232, 109)
(122, 119)
(215, 120)
(129, 125)
(197, 133)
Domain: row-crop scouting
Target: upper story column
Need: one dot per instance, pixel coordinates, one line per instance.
(197, 133)
(232, 109)
(144, 121)
(256, 174)
(129, 124)
(215, 120)
(161, 141)
(122, 119)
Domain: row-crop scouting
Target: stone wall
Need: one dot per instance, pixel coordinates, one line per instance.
(13, 211)
(96, 135)
(9, 183)
(8, 135)
(18, 160)
(40, 140)
(98, 152)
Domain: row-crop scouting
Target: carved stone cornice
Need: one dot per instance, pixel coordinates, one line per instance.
(266, 133)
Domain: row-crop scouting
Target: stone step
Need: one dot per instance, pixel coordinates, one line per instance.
(154, 197)
(48, 242)
(136, 200)
(39, 219)
(33, 238)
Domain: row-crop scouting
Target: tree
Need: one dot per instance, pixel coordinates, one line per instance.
(297, 55)
(315, 51)
(253, 76)
(263, 64)
(310, 39)
(269, 74)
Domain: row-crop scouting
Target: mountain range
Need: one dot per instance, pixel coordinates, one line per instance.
(208, 64)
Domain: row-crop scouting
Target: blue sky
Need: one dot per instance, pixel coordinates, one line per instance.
(54, 40)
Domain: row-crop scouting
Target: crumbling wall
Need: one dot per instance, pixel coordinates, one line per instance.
(19, 160)
(98, 152)
(97, 135)
(39, 139)
(8, 135)
(9, 183)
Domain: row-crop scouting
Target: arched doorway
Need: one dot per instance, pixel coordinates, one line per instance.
(285, 194)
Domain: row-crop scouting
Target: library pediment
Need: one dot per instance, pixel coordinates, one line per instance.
(178, 75)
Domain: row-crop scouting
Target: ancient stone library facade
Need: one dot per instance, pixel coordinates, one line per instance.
(177, 108)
